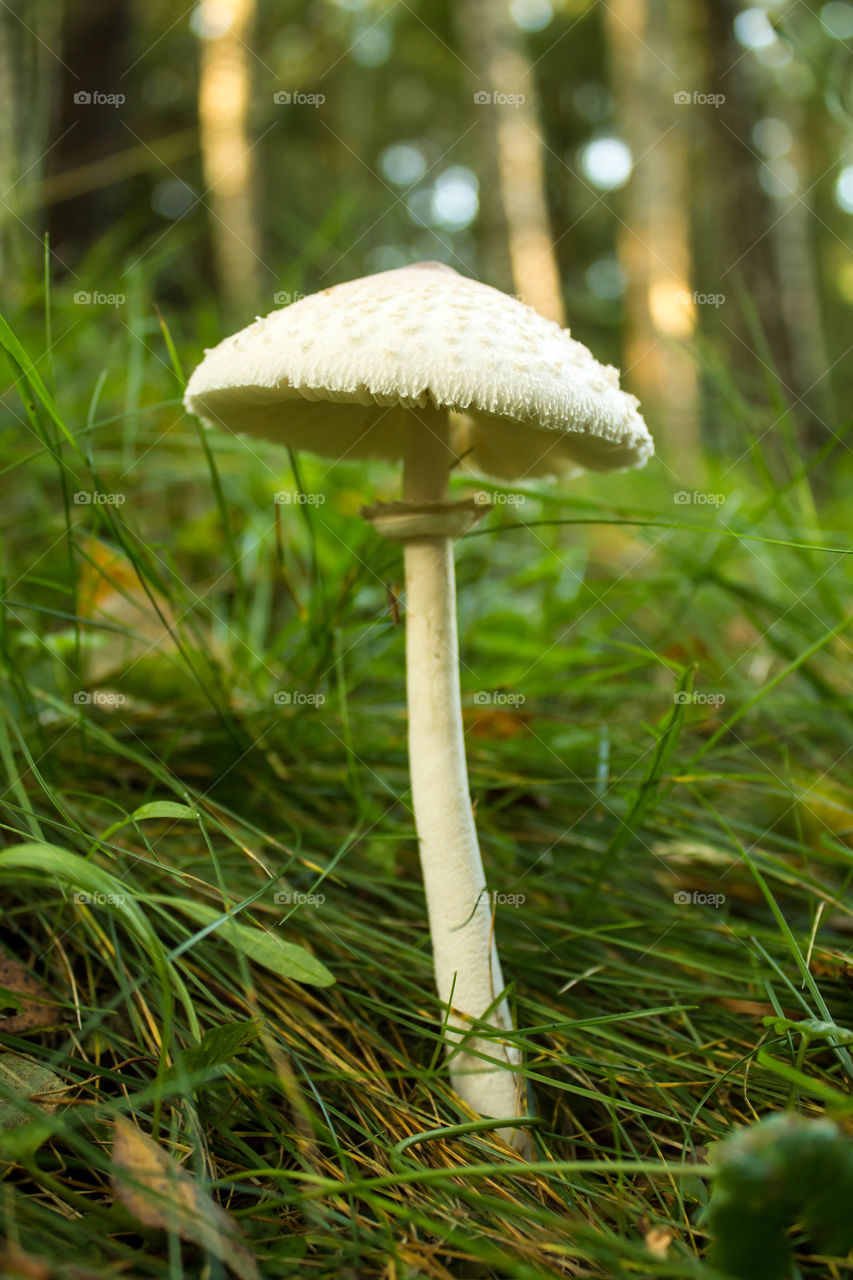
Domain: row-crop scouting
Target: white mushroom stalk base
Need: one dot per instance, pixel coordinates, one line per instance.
(485, 1070)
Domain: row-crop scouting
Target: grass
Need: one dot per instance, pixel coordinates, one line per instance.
(204, 708)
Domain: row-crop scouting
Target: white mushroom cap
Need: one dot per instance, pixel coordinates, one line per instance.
(332, 373)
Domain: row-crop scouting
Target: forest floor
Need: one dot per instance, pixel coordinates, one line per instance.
(206, 819)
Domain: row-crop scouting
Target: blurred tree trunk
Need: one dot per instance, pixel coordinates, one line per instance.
(519, 248)
(29, 84)
(648, 41)
(764, 244)
(93, 52)
(10, 232)
(741, 206)
(796, 271)
(223, 104)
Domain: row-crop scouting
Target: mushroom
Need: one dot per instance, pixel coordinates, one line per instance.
(374, 368)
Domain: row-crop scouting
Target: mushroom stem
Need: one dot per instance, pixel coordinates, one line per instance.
(467, 969)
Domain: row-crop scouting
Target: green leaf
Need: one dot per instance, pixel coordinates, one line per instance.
(810, 1028)
(286, 959)
(219, 1045)
(155, 809)
(163, 809)
(769, 1177)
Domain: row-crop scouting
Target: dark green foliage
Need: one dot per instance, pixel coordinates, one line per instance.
(783, 1172)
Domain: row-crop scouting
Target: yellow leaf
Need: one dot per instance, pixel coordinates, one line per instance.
(658, 1240)
(157, 1191)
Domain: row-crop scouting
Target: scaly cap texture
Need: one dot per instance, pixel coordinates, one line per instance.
(334, 372)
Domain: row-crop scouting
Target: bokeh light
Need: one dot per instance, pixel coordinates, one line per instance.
(402, 163)
(754, 30)
(455, 200)
(605, 278)
(837, 19)
(844, 189)
(532, 15)
(606, 163)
